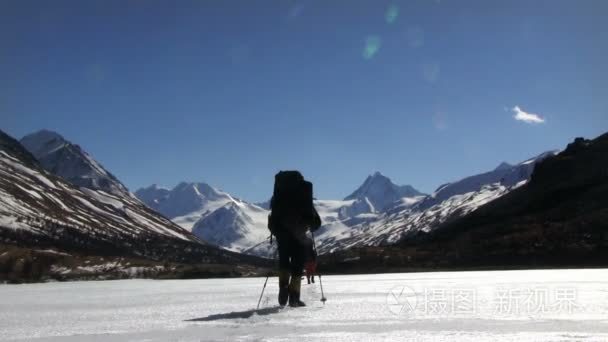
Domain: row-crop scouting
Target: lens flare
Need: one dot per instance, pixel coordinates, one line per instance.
(372, 46)
(392, 12)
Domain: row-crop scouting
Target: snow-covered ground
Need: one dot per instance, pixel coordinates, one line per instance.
(547, 305)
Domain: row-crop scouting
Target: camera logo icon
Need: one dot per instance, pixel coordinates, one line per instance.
(402, 300)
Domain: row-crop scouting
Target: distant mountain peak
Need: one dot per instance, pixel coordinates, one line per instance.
(503, 166)
(199, 189)
(45, 135)
(70, 162)
(381, 192)
(43, 142)
(155, 187)
(378, 177)
(184, 198)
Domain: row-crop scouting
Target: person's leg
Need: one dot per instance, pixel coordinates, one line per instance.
(283, 245)
(298, 257)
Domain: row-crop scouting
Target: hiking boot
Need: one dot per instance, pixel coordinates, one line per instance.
(294, 292)
(294, 300)
(283, 295)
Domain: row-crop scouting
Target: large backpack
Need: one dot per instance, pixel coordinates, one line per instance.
(291, 205)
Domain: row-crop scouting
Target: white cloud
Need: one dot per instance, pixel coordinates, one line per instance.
(526, 117)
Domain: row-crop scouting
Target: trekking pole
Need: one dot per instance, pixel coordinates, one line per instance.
(266, 281)
(314, 245)
(262, 294)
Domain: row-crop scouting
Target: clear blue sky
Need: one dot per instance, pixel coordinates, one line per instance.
(229, 92)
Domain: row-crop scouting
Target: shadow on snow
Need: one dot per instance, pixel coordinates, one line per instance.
(238, 314)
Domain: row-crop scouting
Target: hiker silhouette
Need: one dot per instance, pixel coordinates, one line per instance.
(292, 215)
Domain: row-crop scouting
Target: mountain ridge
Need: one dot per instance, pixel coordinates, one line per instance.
(557, 219)
(41, 210)
(369, 215)
(70, 162)
(381, 192)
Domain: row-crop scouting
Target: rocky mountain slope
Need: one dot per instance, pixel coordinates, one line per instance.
(505, 174)
(557, 219)
(41, 210)
(377, 213)
(561, 213)
(70, 162)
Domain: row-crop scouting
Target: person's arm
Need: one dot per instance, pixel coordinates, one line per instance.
(271, 223)
(316, 220)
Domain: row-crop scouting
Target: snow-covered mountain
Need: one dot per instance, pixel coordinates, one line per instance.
(393, 226)
(70, 162)
(424, 214)
(211, 214)
(379, 192)
(409, 215)
(505, 174)
(379, 212)
(40, 209)
(184, 200)
(235, 226)
(226, 221)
